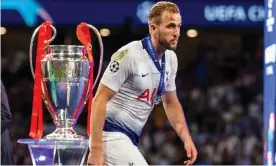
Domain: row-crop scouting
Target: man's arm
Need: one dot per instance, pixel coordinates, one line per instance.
(6, 117)
(118, 70)
(103, 95)
(175, 114)
(176, 117)
(113, 78)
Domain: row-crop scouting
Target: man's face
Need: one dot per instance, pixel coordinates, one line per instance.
(168, 31)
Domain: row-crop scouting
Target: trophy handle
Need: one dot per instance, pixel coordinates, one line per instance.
(32, 43)
(101, 52)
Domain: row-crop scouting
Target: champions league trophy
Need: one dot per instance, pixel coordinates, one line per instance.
(64, 81)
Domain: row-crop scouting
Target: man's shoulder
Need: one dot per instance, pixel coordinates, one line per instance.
(132, 46)
(171, 54)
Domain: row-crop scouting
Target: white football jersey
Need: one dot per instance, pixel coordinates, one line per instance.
(135, 79)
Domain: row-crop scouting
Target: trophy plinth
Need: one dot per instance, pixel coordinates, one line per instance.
(57, 152)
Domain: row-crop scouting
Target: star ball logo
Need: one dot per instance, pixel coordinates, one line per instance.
(114, 67)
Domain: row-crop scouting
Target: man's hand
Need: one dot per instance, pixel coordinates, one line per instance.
(95, 157)
(191, 151)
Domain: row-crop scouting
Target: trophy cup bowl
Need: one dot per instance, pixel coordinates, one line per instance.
(65, 71)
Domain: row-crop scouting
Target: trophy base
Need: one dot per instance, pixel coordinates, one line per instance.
(64, 134)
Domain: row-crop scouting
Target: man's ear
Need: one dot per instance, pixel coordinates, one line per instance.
(152, 28)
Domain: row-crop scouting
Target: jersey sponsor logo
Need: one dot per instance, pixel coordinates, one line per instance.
(114, 67)
(146, 95)
(144, 75)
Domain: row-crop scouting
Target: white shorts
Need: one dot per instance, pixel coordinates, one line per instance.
(119, 150)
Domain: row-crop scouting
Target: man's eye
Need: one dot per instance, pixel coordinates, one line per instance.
(171, 26)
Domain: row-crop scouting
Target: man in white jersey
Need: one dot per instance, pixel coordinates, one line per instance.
(139, 75)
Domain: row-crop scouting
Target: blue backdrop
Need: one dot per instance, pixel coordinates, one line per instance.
(195, 13)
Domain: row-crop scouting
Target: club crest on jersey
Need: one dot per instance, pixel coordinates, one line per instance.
(114, 67)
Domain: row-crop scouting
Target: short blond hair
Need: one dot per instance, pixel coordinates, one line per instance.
(160, 7)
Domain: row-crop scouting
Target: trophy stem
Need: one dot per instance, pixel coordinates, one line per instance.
(64, 131)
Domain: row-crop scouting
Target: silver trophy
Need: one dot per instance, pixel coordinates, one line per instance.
(65, 83)
(63, 75)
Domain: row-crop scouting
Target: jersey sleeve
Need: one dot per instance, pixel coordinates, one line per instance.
(170, 86)
(118, 70)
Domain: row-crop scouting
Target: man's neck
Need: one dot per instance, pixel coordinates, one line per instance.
(160, 50)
